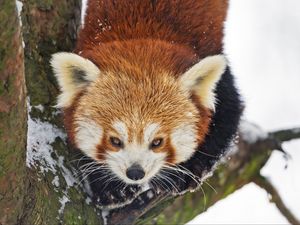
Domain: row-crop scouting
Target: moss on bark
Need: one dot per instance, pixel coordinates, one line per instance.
(12, 116)
(50, 26)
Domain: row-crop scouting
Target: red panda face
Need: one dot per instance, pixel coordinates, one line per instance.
(146, 123)
(136, 124)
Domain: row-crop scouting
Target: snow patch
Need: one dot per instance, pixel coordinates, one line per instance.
(40, 152)
(39, 139)
(83, 11)
(68, 175)
(19, 5)
(88, 200)
(63, 202)
(39, 107)
(55, 181)
(105, 214)
(252, 132)
(87, 187)
(150, 194)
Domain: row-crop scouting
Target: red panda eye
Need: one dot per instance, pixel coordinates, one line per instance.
(116, 142)
(156, 143)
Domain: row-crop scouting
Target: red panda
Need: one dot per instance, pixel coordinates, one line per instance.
(147, 86)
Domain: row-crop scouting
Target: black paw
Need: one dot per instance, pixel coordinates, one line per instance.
(113, 194)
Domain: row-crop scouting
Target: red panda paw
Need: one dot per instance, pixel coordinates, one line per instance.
(113, 196)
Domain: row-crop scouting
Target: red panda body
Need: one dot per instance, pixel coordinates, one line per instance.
(178, 33)
(137, 36)
(148, 90)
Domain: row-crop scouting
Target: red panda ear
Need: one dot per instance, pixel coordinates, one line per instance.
(73, 73)
(202, 78)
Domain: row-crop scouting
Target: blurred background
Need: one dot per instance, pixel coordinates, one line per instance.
(262, 42)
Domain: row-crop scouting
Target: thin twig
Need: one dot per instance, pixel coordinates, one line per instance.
(264, 183)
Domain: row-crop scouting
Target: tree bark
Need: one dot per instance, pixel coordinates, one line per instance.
(12, 115)
(53, 196)
(42, 187)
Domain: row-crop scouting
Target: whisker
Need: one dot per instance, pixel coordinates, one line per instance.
(169, 181)
(87, 174)
(81, 158)
(170, 172)
(92, 168)
(161, 183)
(184, 171)
(208, 184)
(204, 195)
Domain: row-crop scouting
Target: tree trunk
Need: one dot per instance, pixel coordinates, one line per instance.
(53, 196)
(42, 187)
(12, 116)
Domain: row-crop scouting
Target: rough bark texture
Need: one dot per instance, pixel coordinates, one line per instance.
(48, 193)
(12, 115)
(50, 26)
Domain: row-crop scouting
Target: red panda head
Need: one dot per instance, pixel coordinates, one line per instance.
(136, 124)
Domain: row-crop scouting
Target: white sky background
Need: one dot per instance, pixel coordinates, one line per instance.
(263, 45)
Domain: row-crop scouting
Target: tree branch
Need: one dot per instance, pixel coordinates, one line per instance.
(264, 183)
(241, 167)
(286, 135)
(131, 213)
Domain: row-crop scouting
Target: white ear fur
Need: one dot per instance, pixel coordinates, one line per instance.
(203, 77)
(73, 73)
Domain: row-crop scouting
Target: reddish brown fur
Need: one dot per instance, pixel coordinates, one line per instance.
(170, 150)
(138, 37)
(176, 33)
(69, 119)
(197, 24)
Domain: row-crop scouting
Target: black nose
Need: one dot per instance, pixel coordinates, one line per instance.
(135, 172)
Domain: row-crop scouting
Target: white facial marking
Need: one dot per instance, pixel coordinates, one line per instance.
(150, 131)
(132, 153)
(183, 138)
(88, 136)
(121, 129)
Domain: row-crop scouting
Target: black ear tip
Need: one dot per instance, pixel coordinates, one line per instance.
(79, 75)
